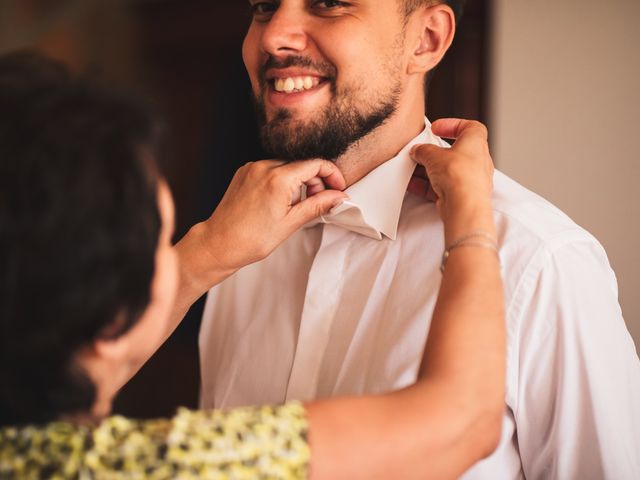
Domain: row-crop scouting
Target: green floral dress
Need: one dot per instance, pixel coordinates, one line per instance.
(245, 443)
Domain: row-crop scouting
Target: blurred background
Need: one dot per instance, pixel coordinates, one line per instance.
(557, 83)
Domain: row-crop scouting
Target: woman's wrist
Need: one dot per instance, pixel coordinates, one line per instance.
(201, 259)
(464, 216)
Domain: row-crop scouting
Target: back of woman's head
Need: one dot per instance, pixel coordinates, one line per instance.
(79, 228)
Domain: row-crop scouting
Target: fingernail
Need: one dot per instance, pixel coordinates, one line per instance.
(413, 151)
(338, 202)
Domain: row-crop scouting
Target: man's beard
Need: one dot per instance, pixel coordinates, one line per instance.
(330, 133)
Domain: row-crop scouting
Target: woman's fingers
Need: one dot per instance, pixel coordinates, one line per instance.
(314, 206)
(308, 170)
(422, 188)
(262, 206)
(464, 170)
(317, 175)
(423, 153)
(456, 128)
(315, 186)
(324, 183)
(470, 136)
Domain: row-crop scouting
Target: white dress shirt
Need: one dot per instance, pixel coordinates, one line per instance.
(345, 309)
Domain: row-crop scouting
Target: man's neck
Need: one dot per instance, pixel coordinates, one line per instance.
(384, 143)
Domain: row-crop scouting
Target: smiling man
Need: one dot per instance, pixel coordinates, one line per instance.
(333, 79)
(343, 306)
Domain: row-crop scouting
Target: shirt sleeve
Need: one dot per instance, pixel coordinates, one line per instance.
(244, 443)
(578, 375)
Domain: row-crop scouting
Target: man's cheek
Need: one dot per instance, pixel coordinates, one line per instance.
(250, 60)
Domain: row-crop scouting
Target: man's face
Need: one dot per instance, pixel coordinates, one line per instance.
(324, 73)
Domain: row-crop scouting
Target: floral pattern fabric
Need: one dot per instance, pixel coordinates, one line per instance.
(244, 443)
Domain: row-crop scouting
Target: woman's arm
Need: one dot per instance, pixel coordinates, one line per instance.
(451, 417)
(260, 209)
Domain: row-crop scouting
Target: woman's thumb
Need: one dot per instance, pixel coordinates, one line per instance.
(316, 205)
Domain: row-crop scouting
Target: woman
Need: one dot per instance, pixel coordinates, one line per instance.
(89, 280)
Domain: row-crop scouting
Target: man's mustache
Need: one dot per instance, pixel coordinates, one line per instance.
(324, 69)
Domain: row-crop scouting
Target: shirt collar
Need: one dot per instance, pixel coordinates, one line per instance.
(375, 201)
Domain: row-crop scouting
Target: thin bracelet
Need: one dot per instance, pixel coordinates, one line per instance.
(463, 242)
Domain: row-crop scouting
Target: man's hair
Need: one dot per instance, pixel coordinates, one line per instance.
(410, 6)
(79, 226)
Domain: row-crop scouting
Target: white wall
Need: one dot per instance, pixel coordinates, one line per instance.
(565, 118)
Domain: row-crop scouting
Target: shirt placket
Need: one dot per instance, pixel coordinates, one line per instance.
(324, 289)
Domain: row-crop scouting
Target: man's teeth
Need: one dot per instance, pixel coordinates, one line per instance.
(295, 84)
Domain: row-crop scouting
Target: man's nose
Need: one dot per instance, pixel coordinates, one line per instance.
(285, 33)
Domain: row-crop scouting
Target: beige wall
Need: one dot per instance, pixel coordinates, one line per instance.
(565, 110)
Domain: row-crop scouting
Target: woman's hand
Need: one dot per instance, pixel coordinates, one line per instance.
(460, 178)
(261, 208)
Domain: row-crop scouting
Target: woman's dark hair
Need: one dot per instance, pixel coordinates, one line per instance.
(79, 227)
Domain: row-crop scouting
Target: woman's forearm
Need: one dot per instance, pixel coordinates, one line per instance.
(200, 270)
(465, 352)
(466, 343)
(257, 213)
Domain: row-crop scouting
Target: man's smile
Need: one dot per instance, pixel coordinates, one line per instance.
(295, 84)
(289, 86)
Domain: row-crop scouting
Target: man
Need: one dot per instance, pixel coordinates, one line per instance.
(343, 306)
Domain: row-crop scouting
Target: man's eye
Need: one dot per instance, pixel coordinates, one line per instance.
(329, 4)
(263, 8)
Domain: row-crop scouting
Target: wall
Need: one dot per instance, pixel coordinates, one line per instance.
(564, 109)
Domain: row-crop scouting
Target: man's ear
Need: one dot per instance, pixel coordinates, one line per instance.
(430, 32)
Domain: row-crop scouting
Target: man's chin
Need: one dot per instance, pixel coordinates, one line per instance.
(293, 117)
(288, 127)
